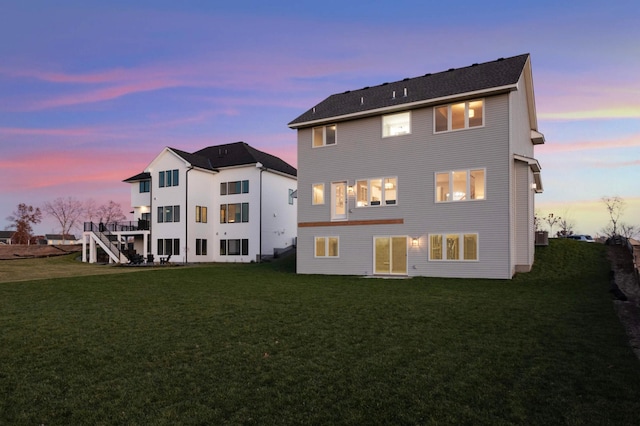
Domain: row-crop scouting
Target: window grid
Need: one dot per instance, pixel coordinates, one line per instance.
(453, 247)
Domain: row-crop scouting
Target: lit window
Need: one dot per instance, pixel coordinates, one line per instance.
(459, 116)
(396, 124)
(201, 214)
(318, 193)
(458, 247)
(377, 192)
(326, 247)
(460, 185)
(323, 136)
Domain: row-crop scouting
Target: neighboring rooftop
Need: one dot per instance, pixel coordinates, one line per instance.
(501, 73)
(227, 155)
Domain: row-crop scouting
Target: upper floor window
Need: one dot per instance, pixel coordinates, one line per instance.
(234, 187)
(144, 186)
(460, 185)
(377, 192)
(201, 214)
(317, 193)
(458, 116)
(168, 214)
(168, 178)
(324, 135)
(234, 213)
(396, 124)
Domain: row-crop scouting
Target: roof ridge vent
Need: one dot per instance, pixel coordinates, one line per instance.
(451, 69)
(427, 74)
(500, 59)
(474, 65)
(406, 79)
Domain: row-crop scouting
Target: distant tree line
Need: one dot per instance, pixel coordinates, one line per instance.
(565, 225)
(69, 213)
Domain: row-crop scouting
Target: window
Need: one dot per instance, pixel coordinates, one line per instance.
(168, 214)
(201, 214)
(396, 124)
(234, 187)
(144, 186)
(460, 185)
(376, 192)
(325, 135)
(458, 116)
(234, 247)
(168, 246)
(459, 247)
(326, 247)
(168, 178)
(318, 193)
(291, 196)
(234, 213)
(201, 247)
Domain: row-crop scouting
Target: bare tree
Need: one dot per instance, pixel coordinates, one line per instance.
(615, 206)
(23, 217)
(566, 224)
(551, 221)
(67, 211)
(537, 220)
(629, 231)
(110, 212)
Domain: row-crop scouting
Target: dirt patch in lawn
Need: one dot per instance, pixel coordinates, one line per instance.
(23, 251)
(625, 279)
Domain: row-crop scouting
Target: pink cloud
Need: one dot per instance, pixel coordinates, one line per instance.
(553, 148)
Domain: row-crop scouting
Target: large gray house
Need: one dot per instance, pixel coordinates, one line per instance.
(427, 176)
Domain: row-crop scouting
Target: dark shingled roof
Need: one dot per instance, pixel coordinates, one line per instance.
(139, 177)
(227, 155)
(477, 77)
(240, 153)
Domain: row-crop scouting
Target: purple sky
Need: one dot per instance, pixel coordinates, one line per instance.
(90, 94)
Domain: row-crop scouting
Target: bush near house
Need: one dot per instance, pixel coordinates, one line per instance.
(257, 344)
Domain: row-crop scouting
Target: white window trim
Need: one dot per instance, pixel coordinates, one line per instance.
(326, 247)
(324, 136)
(408, 113)
(460, 240)
(466, 116)
(383, 201)
(324, 194)
(468, 189)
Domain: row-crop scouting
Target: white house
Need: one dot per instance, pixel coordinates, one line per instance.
(427, 176)
(224, 203)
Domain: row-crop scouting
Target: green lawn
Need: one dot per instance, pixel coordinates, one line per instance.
(257, 344)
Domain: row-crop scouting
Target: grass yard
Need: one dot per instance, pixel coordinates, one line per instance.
(257, 344)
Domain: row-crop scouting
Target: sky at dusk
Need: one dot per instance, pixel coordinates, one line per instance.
(91, 92)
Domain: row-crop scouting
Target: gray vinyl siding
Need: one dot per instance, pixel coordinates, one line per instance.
(362, 153)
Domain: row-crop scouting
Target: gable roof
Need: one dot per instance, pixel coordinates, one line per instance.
(60, 237)
(6, 234)
(228, 155)
(499, 75)
(240, 153)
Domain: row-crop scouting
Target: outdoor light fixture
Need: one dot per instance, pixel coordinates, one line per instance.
(415, 242)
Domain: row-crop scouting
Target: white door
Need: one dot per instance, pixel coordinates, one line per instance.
(338, 201)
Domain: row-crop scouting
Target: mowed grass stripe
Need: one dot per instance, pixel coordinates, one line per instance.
(257, 344)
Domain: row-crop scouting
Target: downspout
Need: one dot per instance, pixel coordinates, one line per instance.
(262, 169)
(186, 214)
